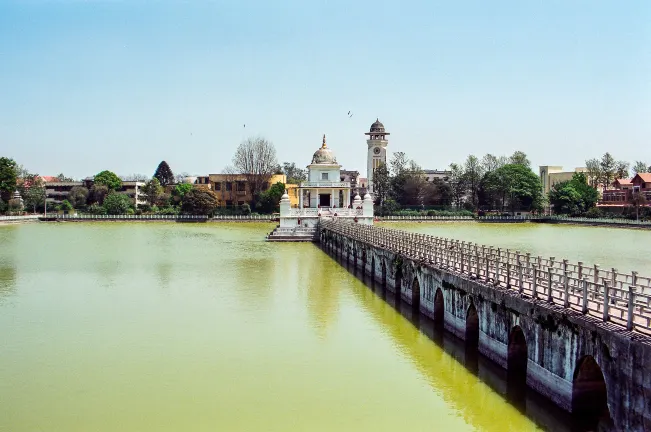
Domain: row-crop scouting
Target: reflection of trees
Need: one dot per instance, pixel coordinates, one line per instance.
(7, 265)
(7, 279)
(164, 273)
(315, 272)
(479, 405)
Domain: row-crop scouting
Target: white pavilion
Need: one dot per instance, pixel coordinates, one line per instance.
(324, 196)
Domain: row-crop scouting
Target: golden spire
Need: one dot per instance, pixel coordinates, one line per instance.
(324, 142)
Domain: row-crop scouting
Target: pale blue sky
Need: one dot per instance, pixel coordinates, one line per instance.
(121, 85)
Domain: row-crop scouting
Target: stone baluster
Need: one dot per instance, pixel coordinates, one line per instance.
(631, 308)
(534, 283)
(550, 298)
(498, 258)
(613, 282)
(508, 272)
(634, 278)
(606, 299)
(566, 286)
(580, 271)
(520, 281)
(584, 307)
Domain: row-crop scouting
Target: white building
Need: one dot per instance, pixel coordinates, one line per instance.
(377, 150)
(323, 196)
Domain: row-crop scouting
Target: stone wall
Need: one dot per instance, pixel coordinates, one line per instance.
(563, 354)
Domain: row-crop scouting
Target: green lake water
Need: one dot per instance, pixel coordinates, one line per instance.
(205, 327)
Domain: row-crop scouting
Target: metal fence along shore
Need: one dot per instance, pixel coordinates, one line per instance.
(620, 298)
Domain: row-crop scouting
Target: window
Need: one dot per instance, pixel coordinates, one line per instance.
(229, 203)
(229, 187)
(324, 176)
(218, 186)
(241, 186)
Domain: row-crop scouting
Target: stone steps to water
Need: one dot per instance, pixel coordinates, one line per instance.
(293, 235)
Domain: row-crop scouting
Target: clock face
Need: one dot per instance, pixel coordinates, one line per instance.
(376, 150)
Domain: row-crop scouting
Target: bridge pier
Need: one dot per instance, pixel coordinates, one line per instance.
(596, 369)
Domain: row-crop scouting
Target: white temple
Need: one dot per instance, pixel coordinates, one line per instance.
(323, 196)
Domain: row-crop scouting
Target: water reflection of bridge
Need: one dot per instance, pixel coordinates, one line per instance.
(473, 385)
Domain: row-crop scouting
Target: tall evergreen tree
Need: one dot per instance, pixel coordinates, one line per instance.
(164, 174)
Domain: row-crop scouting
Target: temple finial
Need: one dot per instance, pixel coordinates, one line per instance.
(324, 142)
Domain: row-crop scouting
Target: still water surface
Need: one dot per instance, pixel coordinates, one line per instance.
(203, 327)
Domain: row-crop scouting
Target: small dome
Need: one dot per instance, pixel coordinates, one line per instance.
(324, 155)
(189, 180)
(367, 197)
(377, 126)
(285, 196)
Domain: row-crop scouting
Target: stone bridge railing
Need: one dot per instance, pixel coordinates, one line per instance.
(620, 298)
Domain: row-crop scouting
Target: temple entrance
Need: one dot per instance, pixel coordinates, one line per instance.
(324, 200)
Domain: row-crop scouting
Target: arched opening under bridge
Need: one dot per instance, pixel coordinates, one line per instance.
(472, 328)
(589, 394)
(415, 294)
(439, 309)
(517, 355)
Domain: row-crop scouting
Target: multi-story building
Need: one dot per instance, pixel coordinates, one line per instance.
(234, 189)
(430, 175)
(623, 190)
(550, 175)
(57, 191)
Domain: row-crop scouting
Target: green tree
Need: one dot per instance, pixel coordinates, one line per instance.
(34, 195)
(458, 184)
(179, 192)
(641, 167)
(152, 191)
(608, 169)
(565, 199)
(65, 205)
(381, 183)
(269, 200)
(199, 201)
(117, 203)
(108, 179)
(621, 169)
(294, 174)
(637, 199)
(438, 193)
(78, 197)
(98, 193)
(399, 163)
(164, 174)
(63, 178)
(473, 172)
(593, 167)
(7, 178)
(519, 158)
(516, 186)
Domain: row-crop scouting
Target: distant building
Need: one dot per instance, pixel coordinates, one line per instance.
(430, 175)
(550, 175)
(234, 190)
(57, 191)
(358, 185)
(623, 190)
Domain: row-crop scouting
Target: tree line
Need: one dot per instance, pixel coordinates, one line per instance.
(492, 183)
(164, 192)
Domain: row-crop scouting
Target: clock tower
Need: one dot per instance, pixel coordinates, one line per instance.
(377, 150)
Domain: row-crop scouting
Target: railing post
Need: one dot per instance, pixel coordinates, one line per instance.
(520, 283)
(596, 274)
(549, 284)
(508, 272)
(606, 298)
(580, 277)
(566, 289)
(497, 268)
(631, 308)
(584, 308)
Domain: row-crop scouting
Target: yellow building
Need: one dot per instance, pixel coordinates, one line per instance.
(233, 189)
(550, 175)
